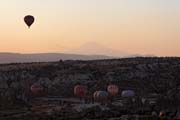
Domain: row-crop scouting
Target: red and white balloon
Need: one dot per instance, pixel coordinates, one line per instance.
(80, 90)
(113, 90)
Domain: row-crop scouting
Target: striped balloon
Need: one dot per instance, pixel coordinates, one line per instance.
(113, 89)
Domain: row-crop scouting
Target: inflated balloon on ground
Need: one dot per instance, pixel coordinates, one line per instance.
(128, 93)
(80, 90)
(37, 89)
(113, 90)
(100, 96)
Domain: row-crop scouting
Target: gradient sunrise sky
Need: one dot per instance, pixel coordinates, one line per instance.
(133, 26)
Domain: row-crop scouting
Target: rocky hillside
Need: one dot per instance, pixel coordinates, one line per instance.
(144, 75)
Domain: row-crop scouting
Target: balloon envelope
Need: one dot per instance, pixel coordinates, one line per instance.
(113, 90)
(128, 93)
(100, 95)
(80, 90)
(29, 20)
(95, 94)
(36, 89)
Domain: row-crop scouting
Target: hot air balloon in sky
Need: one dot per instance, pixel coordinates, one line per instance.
(113, 90)
(29, 20)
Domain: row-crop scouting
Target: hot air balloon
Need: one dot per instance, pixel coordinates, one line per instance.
(29, 20)
(128, 93)
(37, 89)
(113, 90)
(80, 91)
(95, 95)
(100, 96)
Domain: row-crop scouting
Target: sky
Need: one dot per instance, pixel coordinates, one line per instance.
(132, 26)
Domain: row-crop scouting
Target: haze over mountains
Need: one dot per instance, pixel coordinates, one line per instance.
(45, 57)
(93, 48)
(88, 51)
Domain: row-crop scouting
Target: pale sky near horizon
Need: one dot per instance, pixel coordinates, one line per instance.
(133, 26)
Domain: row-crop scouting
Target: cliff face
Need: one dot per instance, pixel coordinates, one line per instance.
(144, 75)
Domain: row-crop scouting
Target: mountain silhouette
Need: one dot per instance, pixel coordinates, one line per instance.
(93, 48)
(46, 57)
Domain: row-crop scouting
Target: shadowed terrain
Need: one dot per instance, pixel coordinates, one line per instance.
(146, 76)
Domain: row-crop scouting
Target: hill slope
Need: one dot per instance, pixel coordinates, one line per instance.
(45, 57)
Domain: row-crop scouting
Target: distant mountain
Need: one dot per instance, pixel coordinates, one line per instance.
(45, 57)
(93, 48)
